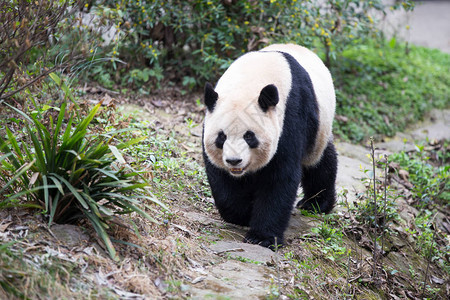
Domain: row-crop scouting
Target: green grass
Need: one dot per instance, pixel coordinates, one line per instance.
(174, 172)
(382, 90)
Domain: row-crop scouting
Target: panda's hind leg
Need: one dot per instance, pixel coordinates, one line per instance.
(319, 183)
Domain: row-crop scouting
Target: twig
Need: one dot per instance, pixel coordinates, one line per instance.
(428, 264)
(384, 209)
(374, 273)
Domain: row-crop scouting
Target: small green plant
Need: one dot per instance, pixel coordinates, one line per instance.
(430, 183)
(70, 172)
(331, 235)
(386, 209)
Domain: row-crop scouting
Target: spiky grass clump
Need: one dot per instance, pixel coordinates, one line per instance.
(70, 173)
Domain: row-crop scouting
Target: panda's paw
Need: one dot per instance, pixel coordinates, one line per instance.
(271, 242)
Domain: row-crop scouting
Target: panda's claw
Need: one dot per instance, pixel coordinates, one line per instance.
(271, 242)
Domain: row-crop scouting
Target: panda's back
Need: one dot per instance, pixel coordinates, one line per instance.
(324, 91)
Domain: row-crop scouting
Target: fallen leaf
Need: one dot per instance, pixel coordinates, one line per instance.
(198, 279)
(4, 226)
(437, 280)
(403, 174)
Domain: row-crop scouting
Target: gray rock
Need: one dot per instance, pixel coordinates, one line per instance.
(253, 253)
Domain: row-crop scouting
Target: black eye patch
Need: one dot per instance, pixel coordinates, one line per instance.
(251, 139)
(220, 140)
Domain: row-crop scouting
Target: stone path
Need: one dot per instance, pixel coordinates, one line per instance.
(245, 279)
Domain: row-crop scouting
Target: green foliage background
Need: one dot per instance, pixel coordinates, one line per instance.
(190, 42)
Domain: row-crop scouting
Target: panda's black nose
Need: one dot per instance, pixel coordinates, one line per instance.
(233, 161)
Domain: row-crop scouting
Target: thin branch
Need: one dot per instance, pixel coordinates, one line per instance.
(29, 83)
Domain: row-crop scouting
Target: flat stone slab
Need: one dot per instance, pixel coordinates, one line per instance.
(233, 280)
(245, 251)
(69, 235)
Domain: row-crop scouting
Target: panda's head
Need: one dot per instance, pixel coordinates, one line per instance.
(242, 127)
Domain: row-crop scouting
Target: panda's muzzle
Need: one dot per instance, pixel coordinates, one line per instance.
(233, 163)
(236, 171)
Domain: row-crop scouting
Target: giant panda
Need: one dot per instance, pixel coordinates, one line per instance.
(268, 129)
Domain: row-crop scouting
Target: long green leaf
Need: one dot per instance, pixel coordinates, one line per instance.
(126, 243)
(67, 133)
(93, 205)
(107, 173)
(117, 183)
(59, 121)
(12, 140)
(87, 120)
(117, 154)
(45, 142)
(131, 142)
(45, 185)
(73, 190)
(26, 192)
(95, 221)
(3, 157)
(54, 207)
(154, 200)
(133, 186)
(40, 161)
(138, 210)
(55, 78)
(20, 113)
(57, 184)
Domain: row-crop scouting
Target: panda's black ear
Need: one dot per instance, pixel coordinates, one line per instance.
(210, 97)
(268, 97)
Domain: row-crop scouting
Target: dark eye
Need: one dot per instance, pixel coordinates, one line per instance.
(251, 139)
(220, 140)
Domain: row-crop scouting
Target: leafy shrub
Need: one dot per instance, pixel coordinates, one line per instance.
(194, 41)
(70, 172)
(380, 92)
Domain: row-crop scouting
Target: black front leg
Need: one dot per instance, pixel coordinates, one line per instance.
(232, 196)
(271, 212)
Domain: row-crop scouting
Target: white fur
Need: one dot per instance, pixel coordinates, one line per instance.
(237, 109)
(325, 95)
